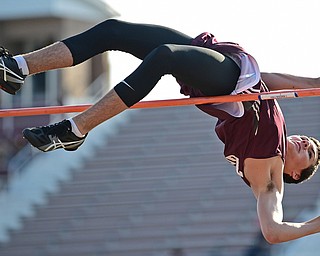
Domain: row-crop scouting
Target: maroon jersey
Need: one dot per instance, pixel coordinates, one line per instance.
(259, 133)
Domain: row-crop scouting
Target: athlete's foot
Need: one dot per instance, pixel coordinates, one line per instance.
(11, 77)
(55, 136)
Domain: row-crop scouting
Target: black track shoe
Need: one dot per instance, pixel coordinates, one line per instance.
(11, 77)
(52, 137)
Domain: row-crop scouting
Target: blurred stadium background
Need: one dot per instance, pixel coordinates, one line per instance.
(149, 182)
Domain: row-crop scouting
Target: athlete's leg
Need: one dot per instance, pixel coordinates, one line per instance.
(198, 67)
(136, 39)
(201, 68)
(51, 57)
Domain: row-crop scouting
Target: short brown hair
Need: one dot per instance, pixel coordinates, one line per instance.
(307, 173)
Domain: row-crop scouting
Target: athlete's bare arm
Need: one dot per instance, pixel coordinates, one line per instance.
(278, 81)
(268, 190)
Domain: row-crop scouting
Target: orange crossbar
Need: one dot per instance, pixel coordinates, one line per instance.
(167, 103)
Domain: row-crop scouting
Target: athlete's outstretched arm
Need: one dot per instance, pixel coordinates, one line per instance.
(274, 229)
(278, 81)
(268, 190)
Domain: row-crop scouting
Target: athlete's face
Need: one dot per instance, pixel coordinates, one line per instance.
(301, 154)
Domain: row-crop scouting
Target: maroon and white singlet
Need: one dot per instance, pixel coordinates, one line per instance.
(248, 130)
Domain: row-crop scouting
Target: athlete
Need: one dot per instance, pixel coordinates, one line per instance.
(254, 133)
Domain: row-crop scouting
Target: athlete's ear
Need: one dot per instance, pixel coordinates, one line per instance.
(295, 175)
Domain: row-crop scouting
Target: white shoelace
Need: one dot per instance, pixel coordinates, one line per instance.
(56, 143)
(7, 70)
(4, 70)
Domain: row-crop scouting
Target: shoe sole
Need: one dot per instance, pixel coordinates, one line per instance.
(8, 88)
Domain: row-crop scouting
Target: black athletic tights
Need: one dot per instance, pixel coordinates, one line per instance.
(163, 51)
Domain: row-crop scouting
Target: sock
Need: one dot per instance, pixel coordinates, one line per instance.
(75, 129)
(22, 64)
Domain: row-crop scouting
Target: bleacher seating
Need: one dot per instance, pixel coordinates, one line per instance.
(161, 183)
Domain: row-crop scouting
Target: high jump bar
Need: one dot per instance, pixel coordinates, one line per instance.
(281, 94)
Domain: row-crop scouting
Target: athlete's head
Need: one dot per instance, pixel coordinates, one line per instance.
(302, 158)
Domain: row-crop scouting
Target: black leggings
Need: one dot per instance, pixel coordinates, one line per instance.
(163, 51)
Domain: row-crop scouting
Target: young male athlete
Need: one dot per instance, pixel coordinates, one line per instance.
(254, 133)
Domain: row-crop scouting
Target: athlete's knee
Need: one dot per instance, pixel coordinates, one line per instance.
(102, 37)
(162, 58)
(111, 27)
(163, 52)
